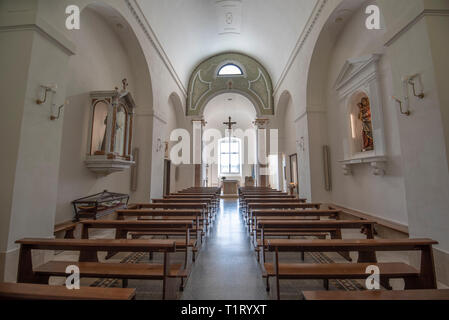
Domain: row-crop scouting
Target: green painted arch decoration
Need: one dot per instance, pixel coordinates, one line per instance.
(205, 83)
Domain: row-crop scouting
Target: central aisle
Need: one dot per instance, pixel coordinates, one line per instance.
(226, 267)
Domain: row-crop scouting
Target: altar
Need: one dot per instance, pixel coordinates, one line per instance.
(230, 188)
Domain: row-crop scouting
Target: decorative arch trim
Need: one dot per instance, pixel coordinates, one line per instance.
(255, 83)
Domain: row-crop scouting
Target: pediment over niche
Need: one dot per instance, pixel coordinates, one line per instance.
(356, 71)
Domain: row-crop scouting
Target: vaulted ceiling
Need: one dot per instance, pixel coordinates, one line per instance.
(193, 30)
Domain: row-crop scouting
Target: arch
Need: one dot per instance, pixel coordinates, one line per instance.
(317, 76)
(205, 83)
(142, 87)
(283, 102)
(176, 103)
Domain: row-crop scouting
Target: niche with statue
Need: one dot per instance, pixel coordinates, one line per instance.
(361, 115)
(110, 131)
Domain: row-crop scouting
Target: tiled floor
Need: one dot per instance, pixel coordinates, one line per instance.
(226, 267)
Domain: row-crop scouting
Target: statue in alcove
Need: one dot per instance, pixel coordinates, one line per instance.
(367, 126)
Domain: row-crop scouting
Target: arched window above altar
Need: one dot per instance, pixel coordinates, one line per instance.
(230, 69)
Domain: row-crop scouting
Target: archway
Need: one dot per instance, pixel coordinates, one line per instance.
(243, 112)
(242, 74)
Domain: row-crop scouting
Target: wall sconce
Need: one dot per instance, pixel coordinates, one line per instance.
(407, 113)
(47, 89)
(52, 117)
(411, 81)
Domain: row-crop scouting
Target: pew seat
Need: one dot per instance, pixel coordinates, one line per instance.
(378, 295)
(338, 270)
(142, 271)
(29, 291)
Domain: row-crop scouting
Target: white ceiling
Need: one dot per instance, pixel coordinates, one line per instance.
(226, 105)
(189, 30)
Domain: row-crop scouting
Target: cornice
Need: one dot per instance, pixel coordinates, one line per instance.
(137, 13)
(318, 9)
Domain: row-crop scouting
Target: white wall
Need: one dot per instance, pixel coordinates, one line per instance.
(40, 47)
(381, 196)
(100, 64)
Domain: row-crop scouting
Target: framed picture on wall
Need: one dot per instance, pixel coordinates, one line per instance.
(294, 170)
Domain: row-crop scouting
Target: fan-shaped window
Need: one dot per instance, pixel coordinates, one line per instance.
(230, 70)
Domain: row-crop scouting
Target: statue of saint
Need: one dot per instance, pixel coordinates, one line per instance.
(367, 127)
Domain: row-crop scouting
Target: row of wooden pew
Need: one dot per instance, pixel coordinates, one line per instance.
(279, 223)
(176, 223)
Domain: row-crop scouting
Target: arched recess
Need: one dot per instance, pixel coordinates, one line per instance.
(141, 87)
(108, 50)
(206, 83)
(282, 104)
(175, 103)
(319, 63)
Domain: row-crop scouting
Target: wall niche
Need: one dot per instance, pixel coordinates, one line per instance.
(360, 102)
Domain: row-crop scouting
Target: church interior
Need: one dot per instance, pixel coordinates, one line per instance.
(224, 150)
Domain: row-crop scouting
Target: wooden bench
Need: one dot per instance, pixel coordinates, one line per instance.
(68, 228)
(277, 205)
(378, 295)
(291, 214)
(208, 202)
(175, 206)
(214, 200)
(199, 216)
(333, 227)
(424, 278)
(141, 228)
(167, 272)
(29, 291)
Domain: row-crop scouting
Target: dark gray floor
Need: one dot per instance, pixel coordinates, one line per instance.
(226, 267)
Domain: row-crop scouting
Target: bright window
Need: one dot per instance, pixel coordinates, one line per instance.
(229, 162)
(230, 70)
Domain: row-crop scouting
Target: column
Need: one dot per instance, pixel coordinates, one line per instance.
(32, 55)
(198, 125)
(262, 170)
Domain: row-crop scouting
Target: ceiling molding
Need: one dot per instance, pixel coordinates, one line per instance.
(137, 13)
(396, 34)
(317, 10)
(26, 21)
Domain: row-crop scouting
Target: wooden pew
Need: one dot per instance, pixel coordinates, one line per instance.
(277, 205)
(206, 201)
(174, 206)
(140, 228)
(199, 215)
(333, 227)
(166, 271)
(279, 214)
(424, 278)
(428, 294)
(210, 197)
(291, 214)
(29, 291)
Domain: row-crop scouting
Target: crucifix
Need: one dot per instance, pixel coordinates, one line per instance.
(229, 124)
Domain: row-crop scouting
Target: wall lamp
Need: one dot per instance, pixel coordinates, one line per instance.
(53, 117)
(411, 81)
(407, 113)
(47, 89)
